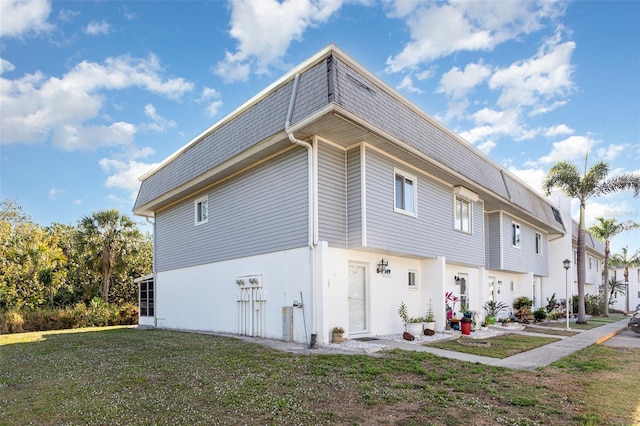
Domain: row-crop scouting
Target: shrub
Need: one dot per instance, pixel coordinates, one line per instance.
(523, 315)
(127, 314)
(593, 305)
(540, 314)
(11, 322)
(523, 302)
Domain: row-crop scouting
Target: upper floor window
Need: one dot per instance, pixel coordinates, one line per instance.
(405, 193)
(462, 220)
(538, 243)
(515, 235)
(201, 210)
(590, 262)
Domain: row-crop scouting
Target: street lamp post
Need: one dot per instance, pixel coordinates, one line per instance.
(566, 263)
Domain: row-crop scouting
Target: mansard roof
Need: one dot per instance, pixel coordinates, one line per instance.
(338, 99)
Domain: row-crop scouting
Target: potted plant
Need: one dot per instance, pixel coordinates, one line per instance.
(429, 320)
(337, 335)
(412, 325)
(493, 308)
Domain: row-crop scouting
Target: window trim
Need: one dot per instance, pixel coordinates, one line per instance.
(457, 225)
(405, 176)
(197, 203)
(516, 237)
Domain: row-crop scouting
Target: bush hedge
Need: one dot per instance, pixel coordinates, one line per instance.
(97, 314)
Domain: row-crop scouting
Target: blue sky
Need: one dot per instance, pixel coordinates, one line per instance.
(93, 94)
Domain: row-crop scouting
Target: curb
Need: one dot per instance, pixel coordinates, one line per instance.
(610, 335)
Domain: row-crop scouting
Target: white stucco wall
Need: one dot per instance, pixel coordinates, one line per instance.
(205, 297)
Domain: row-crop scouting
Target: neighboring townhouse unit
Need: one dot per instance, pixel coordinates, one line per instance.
(327, 200)
(630, 300)
(566, 247)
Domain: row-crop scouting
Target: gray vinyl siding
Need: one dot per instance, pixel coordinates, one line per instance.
(265, 118)
(354, 198)
(332, 195)
(493, 241)
(524, 258)
(262, 210)
(432, 232)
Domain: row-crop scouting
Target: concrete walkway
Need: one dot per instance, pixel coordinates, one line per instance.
(529, 360)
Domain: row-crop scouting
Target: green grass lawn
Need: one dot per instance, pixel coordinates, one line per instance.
(496, 347)
(592, 322)
(134, 377)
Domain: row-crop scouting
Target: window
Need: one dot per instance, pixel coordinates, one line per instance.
(202, 210)
(590, 262)
(405, 193)
(146, 298)
(515, 235)
(464, 294)
(538, 243)
(462, 215)
(413, 279)
(512, 286)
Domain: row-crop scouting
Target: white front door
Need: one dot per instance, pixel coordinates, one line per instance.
(357, 298)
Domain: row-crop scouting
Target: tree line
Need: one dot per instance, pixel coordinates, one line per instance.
(61, 265)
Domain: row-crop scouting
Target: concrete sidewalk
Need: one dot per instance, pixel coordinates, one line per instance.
(529, 360)
(545, 355)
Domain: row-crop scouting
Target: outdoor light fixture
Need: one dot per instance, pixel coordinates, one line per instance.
(457, 278)
(566, 264)
(382, 267)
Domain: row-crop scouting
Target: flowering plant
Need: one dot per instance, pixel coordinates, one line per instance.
(449, 297)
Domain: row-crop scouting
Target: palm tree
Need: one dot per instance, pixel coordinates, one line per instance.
(592, 183)
(622, 260)
(616, 287)
(105, 236)
(605, 230)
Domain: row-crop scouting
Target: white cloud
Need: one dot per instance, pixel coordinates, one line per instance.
(611, 152)
(407, 84)
(457, 109)
(36, 107)
(456, 83)
(67, 15)
(491, 122)
(440, 29)
(486, 146)
(531, 176)
(6, 66)
(212, 98)
(559, 130)
(69, 137)
(160, 124)
(20, 17)
(98, 28)
(572, 149)
(124, 174)
(283, 21)
(54, 192)
(619, 210)
(538, 80)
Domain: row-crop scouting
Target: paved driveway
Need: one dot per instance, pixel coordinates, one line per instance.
(626, 339)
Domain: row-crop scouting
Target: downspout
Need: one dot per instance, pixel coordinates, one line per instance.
(312, 237)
